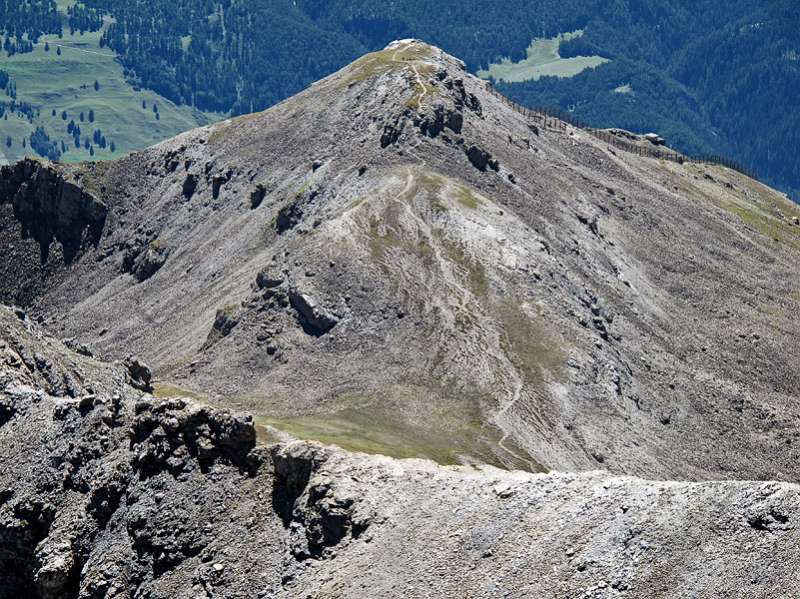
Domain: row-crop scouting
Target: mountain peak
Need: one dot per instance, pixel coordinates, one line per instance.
(430, 259)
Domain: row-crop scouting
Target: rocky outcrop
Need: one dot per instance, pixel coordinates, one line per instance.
(190, 183)
(292, 213)
(177, 436)
(439, 119)
(269, 278)
(481, 159)
(52, 207)
(119, 489)
(257, 196)
(225, 321)
(319, 514)
(149, 261)
(139, 374)
(315, 319)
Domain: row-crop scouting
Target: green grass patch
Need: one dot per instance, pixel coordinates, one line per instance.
(764, 220)
(543, 60)
(384, 61)
(65, 83)
(466, 198)
(166, 390)
(402, 423)
(230, 309)
(430, 182)
(471, 268)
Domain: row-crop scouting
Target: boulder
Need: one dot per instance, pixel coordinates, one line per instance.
(315, 320)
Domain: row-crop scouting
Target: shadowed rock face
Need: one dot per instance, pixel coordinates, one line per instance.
(47, 221)
(51, 208)
(444, 278)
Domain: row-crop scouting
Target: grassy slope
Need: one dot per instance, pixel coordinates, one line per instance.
(65, 82)
(543, 61)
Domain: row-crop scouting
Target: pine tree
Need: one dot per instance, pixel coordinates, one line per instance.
(96, 85)
(91, 115)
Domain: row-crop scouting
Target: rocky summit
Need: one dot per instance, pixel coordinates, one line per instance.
(583, 354)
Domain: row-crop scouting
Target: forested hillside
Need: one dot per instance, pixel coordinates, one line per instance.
(23, 21)
(709, 76)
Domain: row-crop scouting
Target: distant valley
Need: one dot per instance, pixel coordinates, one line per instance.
(68, 99)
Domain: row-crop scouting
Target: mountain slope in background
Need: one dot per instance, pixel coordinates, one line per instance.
(713, 78)
(397, 260)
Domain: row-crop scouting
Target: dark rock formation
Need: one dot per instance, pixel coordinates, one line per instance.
(51, 207)
(268, 278)
(290, 215)
(148, 262)
(441, 117)
(391, 133)
(315, 320)
(318, 517)
(139, 374)
(190, 185)
(224, 323)
(257, 196)
(481, 159)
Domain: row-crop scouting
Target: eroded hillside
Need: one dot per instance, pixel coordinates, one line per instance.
(397, 261)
